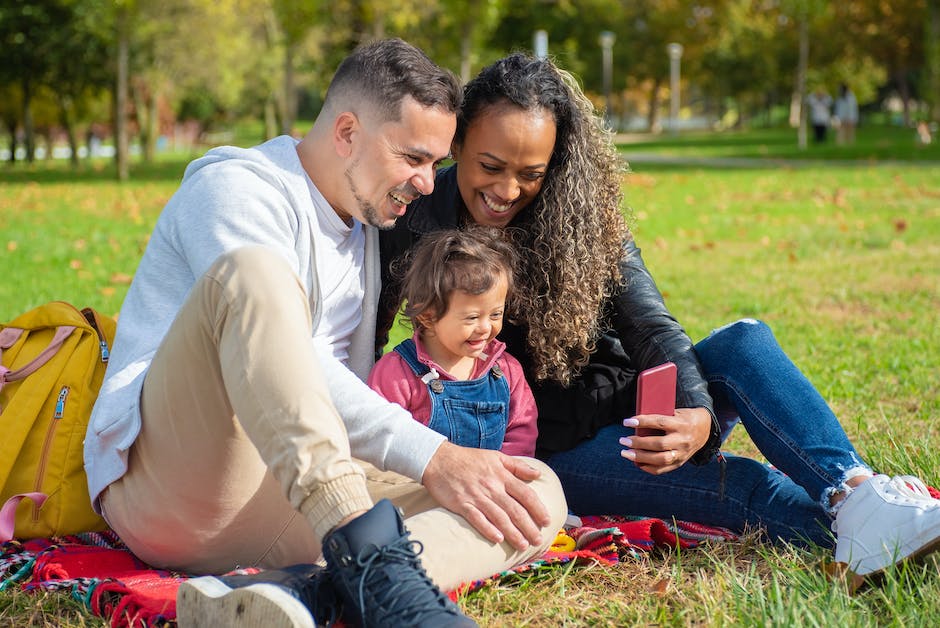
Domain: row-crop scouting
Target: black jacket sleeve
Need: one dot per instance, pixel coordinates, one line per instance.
(650, 335)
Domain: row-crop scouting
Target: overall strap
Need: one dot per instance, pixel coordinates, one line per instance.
(409, 353)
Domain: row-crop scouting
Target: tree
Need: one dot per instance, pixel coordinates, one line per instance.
(28, 40)
(894, 34)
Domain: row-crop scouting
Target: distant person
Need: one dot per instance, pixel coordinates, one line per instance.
(453, 374)
(846, 112)
(923, 134)
(820, 112)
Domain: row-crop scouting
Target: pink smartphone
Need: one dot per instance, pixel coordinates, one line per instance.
(656, 394)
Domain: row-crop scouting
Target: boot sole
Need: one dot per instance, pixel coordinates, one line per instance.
(208, 603)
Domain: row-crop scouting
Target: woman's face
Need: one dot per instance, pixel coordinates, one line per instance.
(502, 162)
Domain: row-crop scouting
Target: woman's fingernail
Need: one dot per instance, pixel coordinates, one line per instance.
(631, 422)
(629, 454)
(626, 441)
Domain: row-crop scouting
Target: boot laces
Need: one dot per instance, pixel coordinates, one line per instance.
(394, 575)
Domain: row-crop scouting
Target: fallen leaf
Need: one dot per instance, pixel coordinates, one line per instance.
(121, 278)
(660, 588)
(840, 572)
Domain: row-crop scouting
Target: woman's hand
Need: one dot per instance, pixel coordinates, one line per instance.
(666, 442)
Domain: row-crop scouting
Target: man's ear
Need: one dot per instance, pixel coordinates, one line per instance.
(345, 127)
(454, 147)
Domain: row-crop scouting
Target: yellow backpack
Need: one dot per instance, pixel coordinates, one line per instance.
(52, 362)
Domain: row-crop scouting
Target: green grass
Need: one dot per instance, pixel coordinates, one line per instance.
(843, 261)
(873, 142)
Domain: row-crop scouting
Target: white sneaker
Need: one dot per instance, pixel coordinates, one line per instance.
(886, 520)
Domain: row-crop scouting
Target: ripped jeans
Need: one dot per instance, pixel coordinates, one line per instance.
(752, 381)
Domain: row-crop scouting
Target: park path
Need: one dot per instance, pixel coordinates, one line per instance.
(623, 140)
(765, 162)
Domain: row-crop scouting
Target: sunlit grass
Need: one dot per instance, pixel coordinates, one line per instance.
(843, 263)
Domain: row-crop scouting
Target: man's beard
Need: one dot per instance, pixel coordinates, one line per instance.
(369, 213)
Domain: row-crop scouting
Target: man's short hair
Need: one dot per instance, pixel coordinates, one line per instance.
(384, 72)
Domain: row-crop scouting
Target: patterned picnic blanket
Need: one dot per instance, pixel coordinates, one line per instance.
(98, 570)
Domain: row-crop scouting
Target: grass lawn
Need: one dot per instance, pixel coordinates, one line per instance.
(842, 260)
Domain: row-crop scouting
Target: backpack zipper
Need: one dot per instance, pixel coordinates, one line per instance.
(102, 343)
(47, 444)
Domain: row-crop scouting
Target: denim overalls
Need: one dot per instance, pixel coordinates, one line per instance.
(470, 413)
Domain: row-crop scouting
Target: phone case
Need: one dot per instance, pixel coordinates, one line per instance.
(656, 393)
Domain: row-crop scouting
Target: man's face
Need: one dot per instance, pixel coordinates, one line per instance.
(393, 162)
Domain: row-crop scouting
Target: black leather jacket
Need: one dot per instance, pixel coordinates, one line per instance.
(641, 334)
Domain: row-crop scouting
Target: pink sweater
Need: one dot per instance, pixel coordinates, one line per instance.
(392, 378)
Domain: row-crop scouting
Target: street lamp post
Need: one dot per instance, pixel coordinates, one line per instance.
(607, 39)
(675, 55)
(540, 44)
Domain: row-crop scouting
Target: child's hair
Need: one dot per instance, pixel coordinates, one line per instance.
(470, 260)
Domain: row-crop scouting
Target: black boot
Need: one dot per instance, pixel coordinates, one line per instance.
(375, 570)
(294, 597)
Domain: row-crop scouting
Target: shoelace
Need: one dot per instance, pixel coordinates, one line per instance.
(907, 488)
(398, 601)
(321, 601)
(912, 488)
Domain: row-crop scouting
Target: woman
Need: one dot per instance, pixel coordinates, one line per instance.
(533, 158)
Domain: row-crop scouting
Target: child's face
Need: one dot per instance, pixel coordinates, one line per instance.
(469, 324)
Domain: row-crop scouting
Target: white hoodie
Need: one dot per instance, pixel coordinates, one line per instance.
(229, 198)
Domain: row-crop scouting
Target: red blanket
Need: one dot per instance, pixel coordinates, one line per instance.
(98, 569)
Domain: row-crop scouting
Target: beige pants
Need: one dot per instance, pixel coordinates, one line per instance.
(242, 459)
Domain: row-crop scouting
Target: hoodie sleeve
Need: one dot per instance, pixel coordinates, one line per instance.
(381, 433)
(521, 432)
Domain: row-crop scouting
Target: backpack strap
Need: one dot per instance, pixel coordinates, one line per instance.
(8, 513)
(61, 333)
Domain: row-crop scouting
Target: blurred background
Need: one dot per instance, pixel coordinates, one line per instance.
(131, 79)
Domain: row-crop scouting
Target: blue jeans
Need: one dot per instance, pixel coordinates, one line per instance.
(752, 381)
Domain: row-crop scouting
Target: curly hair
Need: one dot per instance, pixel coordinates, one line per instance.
(470, 260)
(570, 238)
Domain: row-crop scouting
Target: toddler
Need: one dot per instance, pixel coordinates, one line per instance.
(453, 375)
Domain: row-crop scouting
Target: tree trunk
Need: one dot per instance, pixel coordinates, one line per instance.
(904, 91)
(120, 95)
(68, 123)
(270, 118)
(466, 45)
(11, 128)
(145, 108)
(46, 134)
(652, 117)
(289, 104)
(932, 58)
(29, 131)
(799, 97)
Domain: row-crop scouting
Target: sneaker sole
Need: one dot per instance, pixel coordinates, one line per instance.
(208, 603)
(915, 556)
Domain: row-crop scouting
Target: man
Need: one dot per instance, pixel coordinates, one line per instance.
(223, 437)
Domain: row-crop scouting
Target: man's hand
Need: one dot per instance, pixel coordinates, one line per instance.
(682, 436)
(489, 490)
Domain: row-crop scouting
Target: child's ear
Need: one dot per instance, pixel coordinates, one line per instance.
(424, 321)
